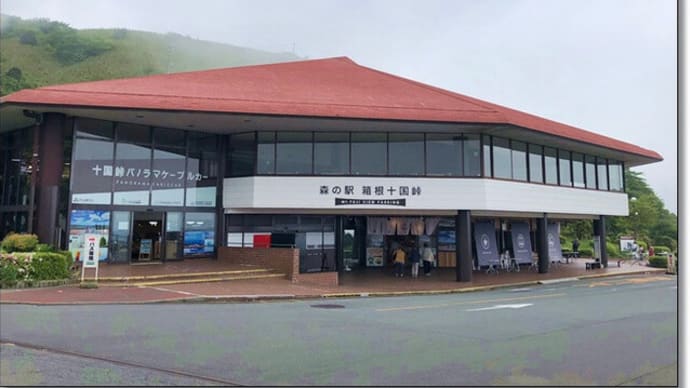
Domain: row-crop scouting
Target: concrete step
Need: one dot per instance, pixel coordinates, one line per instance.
(194, 277)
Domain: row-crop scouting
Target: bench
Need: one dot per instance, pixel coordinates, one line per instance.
(592, 265)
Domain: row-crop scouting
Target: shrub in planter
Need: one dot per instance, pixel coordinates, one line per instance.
(49, 266)
(15, 267)
(44, 248)
(612, 249)
(660, 248)
(14, 242)
(658, 261)
(8, 274)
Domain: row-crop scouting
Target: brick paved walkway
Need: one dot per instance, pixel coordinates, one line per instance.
(370, 281)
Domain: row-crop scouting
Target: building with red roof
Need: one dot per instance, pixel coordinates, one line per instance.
(315, 154)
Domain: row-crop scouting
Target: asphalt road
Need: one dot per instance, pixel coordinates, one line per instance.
(610, 331)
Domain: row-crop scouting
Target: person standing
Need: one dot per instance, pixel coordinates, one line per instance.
(414, 259)
(399, 261)
(427, 258)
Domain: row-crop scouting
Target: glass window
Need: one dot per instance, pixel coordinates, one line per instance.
(16, 153)
(120, 237)
(406, 154)
(369, 154)
(536, 172)
(168, 176)
(294, 153)
(199, 234)
(602, 177)
(96, 129)
(202, 170)
(173, 234)
(550, 166)
(266, 153)
(331, 153)
(470, 155)
(169, 137)
(502, 158)
(486, 144)
(132, 174)
(519, 160)
(591, 172)
(93, 164)
(242, 150)
(132, 133)
(443, 154)
(564, 167)
(616, 176)
(578, 170)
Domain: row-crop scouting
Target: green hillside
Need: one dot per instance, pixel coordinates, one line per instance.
(41, 52)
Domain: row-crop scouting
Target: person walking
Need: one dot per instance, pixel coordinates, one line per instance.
(399, 261)
(414, 259)
(428, 259)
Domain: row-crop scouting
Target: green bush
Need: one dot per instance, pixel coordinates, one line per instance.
(44, 248)
(586, 252)
(8, 274)
(660, 248)
(49, 266)
(612, 249)
(14, 242)
(658, 262)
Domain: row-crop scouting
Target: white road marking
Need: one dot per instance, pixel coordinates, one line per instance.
(503, 306)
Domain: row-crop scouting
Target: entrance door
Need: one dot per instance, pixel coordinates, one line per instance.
(147, 236)
(353, 242)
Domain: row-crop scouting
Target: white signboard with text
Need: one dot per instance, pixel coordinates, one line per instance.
(90, 253)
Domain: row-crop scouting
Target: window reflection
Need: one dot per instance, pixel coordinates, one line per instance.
(406, 154)
(369, 153)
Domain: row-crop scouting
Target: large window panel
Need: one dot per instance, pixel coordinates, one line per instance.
(331, 153)
(616, 176)
(602, 176)
(471, 155)
(168, 176)
(591, 172)
(519, 160)
(369, 154)
(294, 153)
(169, 137)
(266, 150)
(242, 150)
(133, 133)
(95, 129)
(132, 174)
(564, 168)
(578, 170)
(486, 151)
(550, 166)
(93, 164)
(502, 158)
(536, 171)
(406, 154)
(202, 170)
(443, 154)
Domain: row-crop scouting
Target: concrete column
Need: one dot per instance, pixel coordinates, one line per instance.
(50, 156)
(600, 233)
(543, 244)
(463, 247)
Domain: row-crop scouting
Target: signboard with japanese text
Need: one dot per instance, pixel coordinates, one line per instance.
(90, 251)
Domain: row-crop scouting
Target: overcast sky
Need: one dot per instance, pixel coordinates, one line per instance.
(608, 66)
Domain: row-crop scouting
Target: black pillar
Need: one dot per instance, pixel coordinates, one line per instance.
(543, 244)
(222, 237)
(339, 265)
(463, 247)
(50, 154)
(600, 233)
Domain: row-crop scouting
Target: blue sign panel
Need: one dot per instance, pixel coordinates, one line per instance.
(554, 242)
(485, 242)
(522, 246)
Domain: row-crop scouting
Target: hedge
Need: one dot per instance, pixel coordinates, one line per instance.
(660, 248)
(658, 262)
(14, 242)
(586, 252)
(30, 267)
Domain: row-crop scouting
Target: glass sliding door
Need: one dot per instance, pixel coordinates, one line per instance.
(173, 235)
(120, 237)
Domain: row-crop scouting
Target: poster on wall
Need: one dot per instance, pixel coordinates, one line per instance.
(199, 242)
(446, 240)
(82, 222)
(375, 250)
(522, 246)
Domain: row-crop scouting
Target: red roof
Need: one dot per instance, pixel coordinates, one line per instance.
(334, 87)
